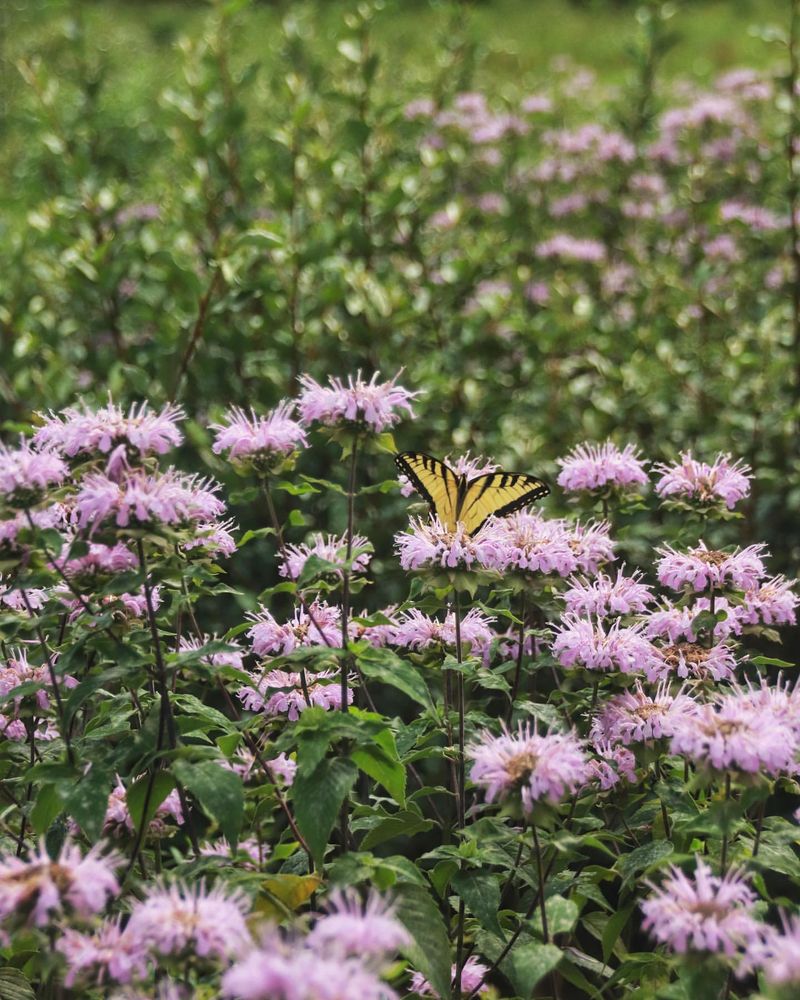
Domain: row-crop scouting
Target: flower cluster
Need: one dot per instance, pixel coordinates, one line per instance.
(723, 480)
(261, 442)
(595, 468)
(375, 406)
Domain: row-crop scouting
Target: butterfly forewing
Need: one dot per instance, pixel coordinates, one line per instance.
(436, 481)
(454, 499)
(498, 493)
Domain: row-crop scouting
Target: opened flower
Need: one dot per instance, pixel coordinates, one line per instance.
(373, 405)
(723, 480)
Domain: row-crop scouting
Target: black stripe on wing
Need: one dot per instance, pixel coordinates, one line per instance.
(431, 464)
(537, 491)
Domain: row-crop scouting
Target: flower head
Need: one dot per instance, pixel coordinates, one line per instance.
(181, 920)
(279, 691)
(41, 889)
(610, 764)
(79, 430)
(591, 545)
(429, 545)
(540, 768)
(118, 819)
(374, 405)
(702, 913)
(25, 473)
(773, 602)
(249, 439)
(724, 480)
(595, 645)
(638, 717)
(691, 659)
(106, 953)
(733, 734)
(473, 975)
(607, 596)
(530, 543)
(418, 631)
(701, 568)
(318, 625)
(355, 928)
(590, 467)
(777, 953)
(331, 549)
(164, 498)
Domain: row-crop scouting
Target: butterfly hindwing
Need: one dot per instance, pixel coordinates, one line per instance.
(453, 498)
(498, 493)
(436, 481)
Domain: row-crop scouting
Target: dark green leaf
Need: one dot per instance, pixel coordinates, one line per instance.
(218, 791)
(481, 892)
(318, 797)
(88, 800)
(430, 949)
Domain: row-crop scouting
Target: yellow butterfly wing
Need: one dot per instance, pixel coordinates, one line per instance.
(437, 483)
(498, 493)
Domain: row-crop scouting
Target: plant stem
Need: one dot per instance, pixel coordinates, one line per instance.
(723, 859)
(759, 823)
(712, 604)
(351, 496)
(541, 877)
(523, 610)
(461, 790)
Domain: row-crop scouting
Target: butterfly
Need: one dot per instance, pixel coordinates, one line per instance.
(453, 497)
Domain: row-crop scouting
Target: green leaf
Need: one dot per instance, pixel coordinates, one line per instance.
(48, 805)
(642, 858)
(163, 784)
(88, 800)
(481, 892)
(318, 797)
(526, 964)
(770, 661)
(561, 914)
(14, 986)
(614, 926)
(387, 667)
(218, 791)
(385, 769)
(430, 949)
(401, 824)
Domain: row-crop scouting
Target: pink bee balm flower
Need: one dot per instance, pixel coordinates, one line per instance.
(351, 928)
(82, 431)
(606, 596)
(690, 659)
(279, 691)
(780, 701)
(259, 440)
(702, 913)
(595, 645)
(320, 625)
(610, 765)
(231, 657)
(214, 539)
(253, 850)
(674, 623)
(25, 473)
(17, 671)
(533, 544)
(166, 498)
(701, 568)
(638, 717)
(591, 545)
(772, 603)
(291, 970)
(777, 954)
(538, 767)
(101, 559)
(598, 467)
(183, 921)
(418, 631)
(35, 892)
(21, 599)
(692, 480)
(378, 634)
(106, 953)
(429, 545)
(731, 734)
(374, 405)
(473, 977)
(331, 548)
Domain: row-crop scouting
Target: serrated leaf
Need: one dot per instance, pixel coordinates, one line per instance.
(218, 791)
(383, 768)
(318, 797)
(526, 964)
(387, 667)
(88, 800)
(642, 858)
(429, 950)
(163, 784)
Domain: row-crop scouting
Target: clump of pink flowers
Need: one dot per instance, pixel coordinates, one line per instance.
(537, 767)
(530, 543)
(319, 624)
(418, 631)
(261, 442)
(597, 468)
(702, 913)
(690, 479)
(638, 717)
(375, 406)
(473, 977)
(280, 692)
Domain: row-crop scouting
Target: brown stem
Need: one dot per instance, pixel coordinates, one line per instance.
(520, 654)
(462, 791)
(196, 334)
(723, 859)
(351, 493)
(759, 823)
(792, 79)
(541, 876)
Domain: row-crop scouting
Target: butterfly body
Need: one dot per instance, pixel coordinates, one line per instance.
(455, 499)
